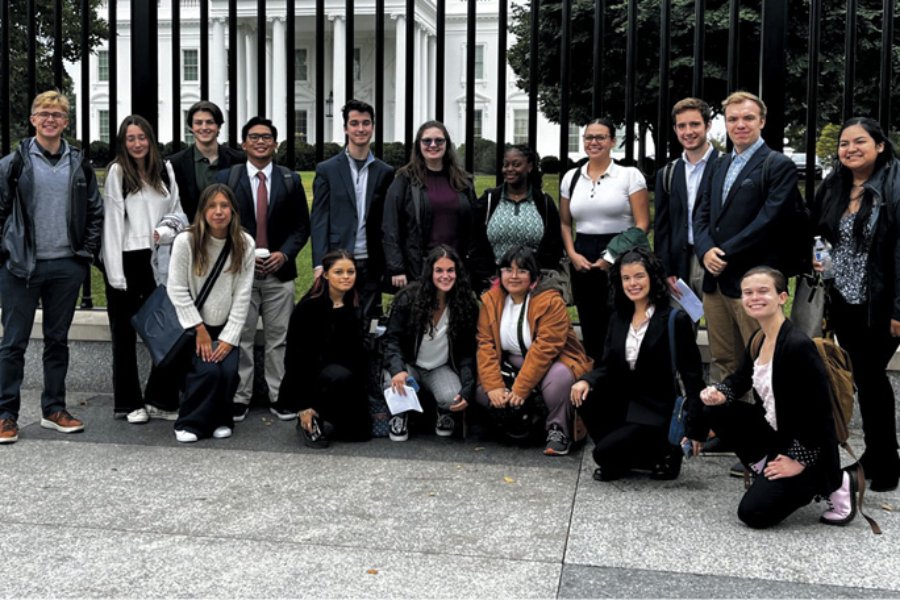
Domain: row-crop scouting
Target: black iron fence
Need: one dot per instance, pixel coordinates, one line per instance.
(756, 48)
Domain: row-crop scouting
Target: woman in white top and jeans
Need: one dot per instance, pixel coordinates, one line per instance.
(211, 361)
(604, 199)
(140, 188)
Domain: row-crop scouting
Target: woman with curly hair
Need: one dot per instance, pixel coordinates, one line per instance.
(431, 202)
(627, 401)
(326, 358)
(431, 337)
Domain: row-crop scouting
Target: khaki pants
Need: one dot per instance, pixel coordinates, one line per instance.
(729, 329)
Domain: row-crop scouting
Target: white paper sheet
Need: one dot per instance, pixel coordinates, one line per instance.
(398, 403)
(689, 301)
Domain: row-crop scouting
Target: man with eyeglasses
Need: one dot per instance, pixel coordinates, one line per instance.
(197, 165)
(273, 209)
(348, 203)
(51, 216)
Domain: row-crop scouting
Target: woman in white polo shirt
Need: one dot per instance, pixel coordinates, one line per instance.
(604, 199)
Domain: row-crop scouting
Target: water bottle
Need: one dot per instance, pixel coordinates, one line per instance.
(411, 382)
(822, 254)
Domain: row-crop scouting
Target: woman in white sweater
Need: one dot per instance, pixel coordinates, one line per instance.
(140, 188)
(211, 363)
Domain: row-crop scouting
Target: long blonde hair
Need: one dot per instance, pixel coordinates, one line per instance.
(200, 232)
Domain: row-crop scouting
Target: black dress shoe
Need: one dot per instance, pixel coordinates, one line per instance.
(884, 482)
(668, 468)
(607, 474)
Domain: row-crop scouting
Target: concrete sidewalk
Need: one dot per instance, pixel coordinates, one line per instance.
(124, 510)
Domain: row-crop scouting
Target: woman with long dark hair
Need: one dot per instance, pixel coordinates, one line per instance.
(627, 401)
(857, 209)
(598, 201)
(431, 202)
(431, 337)
(140, 189)
(325, 359)
(212, 372)
(519, 212)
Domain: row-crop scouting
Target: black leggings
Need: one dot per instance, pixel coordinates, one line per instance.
(591, 292)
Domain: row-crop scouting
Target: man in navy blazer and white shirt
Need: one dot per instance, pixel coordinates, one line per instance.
(741, 222)
(273, 209)
(678, 187)
(348, 203)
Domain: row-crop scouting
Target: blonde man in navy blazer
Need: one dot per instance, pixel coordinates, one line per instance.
(348, 203)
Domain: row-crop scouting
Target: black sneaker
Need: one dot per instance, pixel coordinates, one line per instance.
(445, 424)
(715, 446)
(557, 442)
(737, 470)
(239, 411)
(668, 467)
(399, 431)
(315, 438)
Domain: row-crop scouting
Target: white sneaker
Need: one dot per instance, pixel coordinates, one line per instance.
(222, 432)
(138, 415)
(185, 437)
(158, 413)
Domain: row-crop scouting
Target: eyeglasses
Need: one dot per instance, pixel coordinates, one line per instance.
(45, 115)
(257, 137)
(595, 138)
(433, 141)
(514, 271)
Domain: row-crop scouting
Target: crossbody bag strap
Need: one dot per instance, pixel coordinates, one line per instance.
(521, 326)
(213, 275)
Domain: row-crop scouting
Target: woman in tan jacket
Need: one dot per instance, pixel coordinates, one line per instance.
(526, 343)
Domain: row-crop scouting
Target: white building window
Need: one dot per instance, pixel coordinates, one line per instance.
(301, 70)
(190, 64)
(103, 122)
(357, 64)
(103, 65)
(188, 134)
(479, 62)
(574, 138)
(300, 119)
(520, 127)
(478, 122)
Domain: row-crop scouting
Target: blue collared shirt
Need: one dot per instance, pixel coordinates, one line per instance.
(737, 163)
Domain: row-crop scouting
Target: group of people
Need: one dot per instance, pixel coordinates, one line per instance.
(479, 322)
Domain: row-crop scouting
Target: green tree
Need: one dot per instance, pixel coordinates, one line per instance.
(826, 144)
(19, 96)
(715, 61)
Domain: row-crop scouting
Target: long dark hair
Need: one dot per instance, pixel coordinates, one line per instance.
(838, 184)
(461, 303)
(320, 285)
(416, 169)
(659, 290)
(200, 231)
(131, 171)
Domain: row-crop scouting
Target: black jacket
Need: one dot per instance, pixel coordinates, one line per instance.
(406, 231)
(802, 402)
(646, 395)
(17, 247)
(550, 250)
(883, 266)
(183, 165)
(401, 342)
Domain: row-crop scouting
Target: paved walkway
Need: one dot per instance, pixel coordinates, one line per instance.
(124, 510)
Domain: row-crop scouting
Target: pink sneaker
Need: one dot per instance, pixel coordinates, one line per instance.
(841, 503)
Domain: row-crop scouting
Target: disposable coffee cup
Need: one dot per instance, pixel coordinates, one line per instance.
(262, 254)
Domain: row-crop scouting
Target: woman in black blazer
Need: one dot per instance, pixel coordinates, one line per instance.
(627, 401)
(786, 438)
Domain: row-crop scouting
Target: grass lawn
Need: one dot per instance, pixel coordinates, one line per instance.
(304, 259)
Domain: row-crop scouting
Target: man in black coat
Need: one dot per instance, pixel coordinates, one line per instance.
(740, 223)
(197, 165)
(348, 204)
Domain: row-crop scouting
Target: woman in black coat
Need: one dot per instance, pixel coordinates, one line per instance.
(325, 360)
(786, 438)
(627, 401)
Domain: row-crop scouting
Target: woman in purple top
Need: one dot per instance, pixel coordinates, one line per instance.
(431, 203)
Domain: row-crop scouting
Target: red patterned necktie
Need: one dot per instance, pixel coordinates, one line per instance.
(262, 208)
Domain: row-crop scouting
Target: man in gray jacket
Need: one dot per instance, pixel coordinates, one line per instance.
(51, 216)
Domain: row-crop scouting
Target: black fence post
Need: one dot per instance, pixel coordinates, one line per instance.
(662, 119)
(144, 74)
(773, 68)
(887, 44)
(849, 58)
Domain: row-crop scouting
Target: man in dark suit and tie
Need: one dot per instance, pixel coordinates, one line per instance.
(678, 187)
(198, 165)
(273, 209)
(348, 203)
(742, 222)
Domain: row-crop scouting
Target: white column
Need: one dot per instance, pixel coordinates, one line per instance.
(338, 76)
(279, 79)
(250, 69)
(400, 82)
(432, 68)
(218, 67)
(424, 80)
(241, 91)
(270, 82)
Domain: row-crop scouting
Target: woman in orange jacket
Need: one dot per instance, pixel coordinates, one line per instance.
(526, 343)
